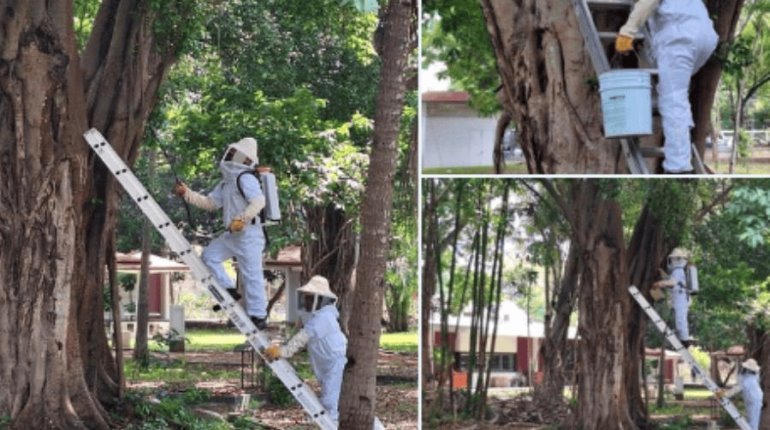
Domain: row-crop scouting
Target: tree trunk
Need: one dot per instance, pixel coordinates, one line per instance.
(603, 305)
(703, 86)
(661, 401)
(429, 277)
(141, 350)
(646, 251)
(736, 126)
(546, 72)
(59, 204)
(331, 252)
(555, 346)
(359, 385)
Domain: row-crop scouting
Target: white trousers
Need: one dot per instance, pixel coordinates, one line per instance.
(681, 47)
(247, 247)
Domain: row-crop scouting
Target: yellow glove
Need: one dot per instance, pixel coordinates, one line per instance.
(656, 293)
(236, 225)
(624, 44)
(272, 352)
(180, 189)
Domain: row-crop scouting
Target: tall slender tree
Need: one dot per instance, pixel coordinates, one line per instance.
(398, 20)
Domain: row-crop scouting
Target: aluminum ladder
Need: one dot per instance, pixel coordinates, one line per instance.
(176, 241)
(597, 43)
(678, 347)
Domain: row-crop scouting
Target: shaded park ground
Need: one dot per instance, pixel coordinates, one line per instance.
(514, 409)
(203, 386)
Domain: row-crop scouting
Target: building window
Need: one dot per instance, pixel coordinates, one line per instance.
(498, 362)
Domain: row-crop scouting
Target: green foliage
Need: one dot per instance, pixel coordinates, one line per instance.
(5, 422)
(277, 393)
(178, 24)
(279, 46)
(455, 33)
(84, 12)
(127, 281)
(405, 342)
(673, 202)
(170, 412)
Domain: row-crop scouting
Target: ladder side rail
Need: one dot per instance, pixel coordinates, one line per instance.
(669, 334)
(591, 37)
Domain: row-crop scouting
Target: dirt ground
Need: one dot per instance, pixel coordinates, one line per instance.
(397, 394)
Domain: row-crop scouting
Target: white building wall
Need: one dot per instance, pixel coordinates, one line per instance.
(457, 141)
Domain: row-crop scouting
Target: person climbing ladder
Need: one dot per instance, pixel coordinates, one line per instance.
(683, 283)
(683, 39)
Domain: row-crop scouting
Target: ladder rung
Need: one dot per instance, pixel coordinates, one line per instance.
(651, 152)
(606, 36)
(610, 4)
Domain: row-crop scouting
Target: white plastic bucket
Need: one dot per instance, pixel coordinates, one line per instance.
(626, 102)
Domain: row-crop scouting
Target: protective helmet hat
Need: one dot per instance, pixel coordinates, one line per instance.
(678, 258)
(242, 152)
(318, 285)
(751, 365)
(680, 253)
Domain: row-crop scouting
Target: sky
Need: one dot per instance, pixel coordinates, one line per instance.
(430, 82)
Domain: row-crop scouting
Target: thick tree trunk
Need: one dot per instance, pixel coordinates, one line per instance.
(359, 385)
(58, 212)
(646, 251)
(545, 73)
(603, 305)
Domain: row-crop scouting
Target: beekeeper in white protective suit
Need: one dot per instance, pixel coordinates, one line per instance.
(241, 199)
(680, 291)
(683, 38)
(748, 384)
(326, 344)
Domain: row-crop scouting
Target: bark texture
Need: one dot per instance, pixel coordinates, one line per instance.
(597, 232)
(331, 252)
(359, 385)
(547, 87)
(646, 252)
(555, 350)
(58, 204)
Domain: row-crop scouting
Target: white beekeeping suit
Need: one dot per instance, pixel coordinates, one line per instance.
(748, 384)
(683, 38)
(326, 344)
(240, 197)
(680, 295)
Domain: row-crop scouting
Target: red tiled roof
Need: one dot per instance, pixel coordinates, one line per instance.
(446, 97)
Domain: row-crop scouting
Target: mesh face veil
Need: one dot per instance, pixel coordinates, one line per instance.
(243, 152)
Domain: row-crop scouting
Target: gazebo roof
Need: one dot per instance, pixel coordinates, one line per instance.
(132, 263)
(290, 256)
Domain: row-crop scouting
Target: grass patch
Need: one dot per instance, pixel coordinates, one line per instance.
(176, 372)
(222, 340)
(210, 340)
(741, 168)
(399, 342)
(510, 169)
